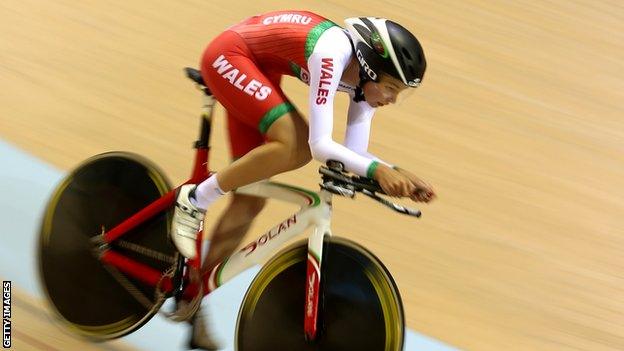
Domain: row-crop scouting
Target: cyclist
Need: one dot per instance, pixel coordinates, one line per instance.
(372, 59)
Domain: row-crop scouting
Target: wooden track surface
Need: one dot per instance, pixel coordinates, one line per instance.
(518, 125)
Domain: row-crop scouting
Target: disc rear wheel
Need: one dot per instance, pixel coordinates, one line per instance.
(94, 300)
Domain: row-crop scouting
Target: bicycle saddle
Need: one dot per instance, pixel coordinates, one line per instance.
(194, 75)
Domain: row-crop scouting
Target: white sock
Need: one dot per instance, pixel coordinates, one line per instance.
(207, 192)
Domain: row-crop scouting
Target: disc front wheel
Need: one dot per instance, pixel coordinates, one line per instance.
(360, 305)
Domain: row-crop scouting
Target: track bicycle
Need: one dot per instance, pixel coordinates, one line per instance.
(107, 264)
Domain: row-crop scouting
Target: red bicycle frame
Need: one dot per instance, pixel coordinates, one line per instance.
(140, 271)
(153, 277)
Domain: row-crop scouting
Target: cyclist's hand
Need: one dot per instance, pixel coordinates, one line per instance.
(424, 191)
(394, 183)
(423, 195)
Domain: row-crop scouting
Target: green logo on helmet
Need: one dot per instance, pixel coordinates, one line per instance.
(378, 45)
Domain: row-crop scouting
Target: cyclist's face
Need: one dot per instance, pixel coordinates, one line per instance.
(383, 92)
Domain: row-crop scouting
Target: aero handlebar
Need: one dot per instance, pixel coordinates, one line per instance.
(336, 181)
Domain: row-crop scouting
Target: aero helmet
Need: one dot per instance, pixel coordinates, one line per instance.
(382, 45)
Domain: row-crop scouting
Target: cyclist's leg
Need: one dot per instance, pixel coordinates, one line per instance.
(229, 70)
(235, 220)
(285, 148)
(242, 209)
(253, 96)
(231, 227)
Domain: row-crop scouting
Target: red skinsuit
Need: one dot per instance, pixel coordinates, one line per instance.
(243, 68)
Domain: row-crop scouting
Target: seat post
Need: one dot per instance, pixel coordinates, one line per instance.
(201, 167)
(206, 122)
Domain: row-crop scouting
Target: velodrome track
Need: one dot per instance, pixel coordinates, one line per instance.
(518, 126)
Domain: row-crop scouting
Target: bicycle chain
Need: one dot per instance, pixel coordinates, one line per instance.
(132, 289)
(145, 251)
(182, 313)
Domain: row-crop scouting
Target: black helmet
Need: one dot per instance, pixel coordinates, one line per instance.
(384, 46)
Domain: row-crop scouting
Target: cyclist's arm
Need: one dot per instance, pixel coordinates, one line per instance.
(326, 64)
(357, 135)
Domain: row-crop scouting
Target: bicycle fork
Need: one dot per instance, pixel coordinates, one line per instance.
(313, 274)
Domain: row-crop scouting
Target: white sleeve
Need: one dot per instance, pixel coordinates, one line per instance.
(357, 134)
(326, 64)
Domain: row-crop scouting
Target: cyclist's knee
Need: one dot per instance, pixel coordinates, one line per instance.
(302, 155)
(291, 130)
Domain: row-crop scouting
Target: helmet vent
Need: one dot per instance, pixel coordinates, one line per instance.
(406, 54)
